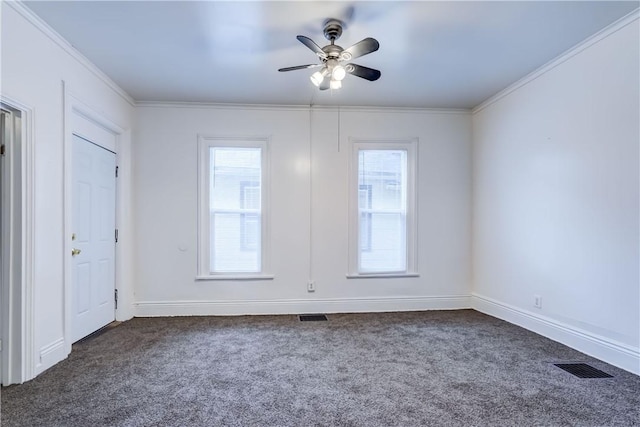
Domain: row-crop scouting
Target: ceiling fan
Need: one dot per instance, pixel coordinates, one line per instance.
(333, 56)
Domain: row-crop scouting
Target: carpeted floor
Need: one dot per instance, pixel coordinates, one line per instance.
(439, 368)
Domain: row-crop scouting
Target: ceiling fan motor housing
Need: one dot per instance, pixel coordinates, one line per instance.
(333, 29)
(332, 51)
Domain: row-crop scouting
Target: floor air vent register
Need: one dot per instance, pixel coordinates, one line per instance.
(312, 317)
(582, 370)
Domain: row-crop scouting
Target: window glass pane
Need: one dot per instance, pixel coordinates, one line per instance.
(382, 202)
(364, 202)
(235, 209)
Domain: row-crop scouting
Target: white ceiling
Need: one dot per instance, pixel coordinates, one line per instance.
(449, 54)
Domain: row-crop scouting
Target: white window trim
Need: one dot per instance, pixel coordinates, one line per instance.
(411, 146)
(204, 143)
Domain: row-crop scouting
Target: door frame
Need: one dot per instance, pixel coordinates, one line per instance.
(80, 119)
(18, 310)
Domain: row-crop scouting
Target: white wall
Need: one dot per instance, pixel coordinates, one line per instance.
(33, 69)
(556, 196)
(309, 176)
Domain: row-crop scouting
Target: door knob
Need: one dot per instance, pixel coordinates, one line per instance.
(75, 251)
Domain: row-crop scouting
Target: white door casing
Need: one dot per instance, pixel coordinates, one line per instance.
(17, 305)
(93, 226)
(6, 129)
(85, 120)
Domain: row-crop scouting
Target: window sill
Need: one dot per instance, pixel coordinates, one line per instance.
(381, 275)
(238, 277)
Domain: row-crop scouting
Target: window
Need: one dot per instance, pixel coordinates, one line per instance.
(232, 205)
(382, 228)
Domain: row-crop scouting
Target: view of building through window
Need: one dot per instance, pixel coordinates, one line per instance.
(235, 209)
(382, 208)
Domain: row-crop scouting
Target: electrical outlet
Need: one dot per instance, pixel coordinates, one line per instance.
(311, 286)
(537, 301)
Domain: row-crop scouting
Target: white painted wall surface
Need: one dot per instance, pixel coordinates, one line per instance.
(33, 69)
(309, 177)
(556, 199)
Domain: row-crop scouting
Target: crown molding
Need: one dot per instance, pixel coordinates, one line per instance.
(219, 106)
(41, 25)
(588, 42)
(277, 107)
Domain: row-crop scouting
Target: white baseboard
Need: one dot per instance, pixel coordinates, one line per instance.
(607, 350)
(51, 354)
(299, 306)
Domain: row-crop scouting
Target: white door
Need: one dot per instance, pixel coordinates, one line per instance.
(93, 225)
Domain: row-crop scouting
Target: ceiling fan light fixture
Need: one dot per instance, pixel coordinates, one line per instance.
(338, 73)
(335, 84)
(318, 77)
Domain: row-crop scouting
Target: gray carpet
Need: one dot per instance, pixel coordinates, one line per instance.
(441, 368)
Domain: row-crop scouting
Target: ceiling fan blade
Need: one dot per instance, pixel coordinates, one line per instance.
(363, 72)
(325, 84)
(347, 15)
(361, 48)
(299, 67)
(312, 45)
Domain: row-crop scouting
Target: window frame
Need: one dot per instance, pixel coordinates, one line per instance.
(205, 143)
(410, 145)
